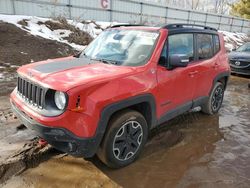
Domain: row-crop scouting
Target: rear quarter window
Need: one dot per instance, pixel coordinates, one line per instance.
(204, 46)
(216, 44)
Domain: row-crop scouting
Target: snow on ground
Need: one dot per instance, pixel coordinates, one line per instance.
(232, 40)
(35, 27)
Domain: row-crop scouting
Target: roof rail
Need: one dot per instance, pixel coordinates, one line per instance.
(181, 25)
(126, 25)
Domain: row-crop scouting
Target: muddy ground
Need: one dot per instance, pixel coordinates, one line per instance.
(193, 150)
(62, 172)
(10, 133)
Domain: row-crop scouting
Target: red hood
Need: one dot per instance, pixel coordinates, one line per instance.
(65, 73)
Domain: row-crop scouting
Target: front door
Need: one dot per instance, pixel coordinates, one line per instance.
(176, 86)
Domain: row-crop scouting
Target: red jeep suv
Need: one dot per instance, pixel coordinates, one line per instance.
(129, 80)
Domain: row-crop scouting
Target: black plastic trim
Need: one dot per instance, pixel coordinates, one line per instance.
(182, 108)
(220, 76)
(180, 26)
(199, 101)
(175, 112)
(60, 138)
(126, 25)
(111, 109)
(191, 30)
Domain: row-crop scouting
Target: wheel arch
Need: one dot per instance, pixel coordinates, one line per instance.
(144, 104)
(221, 77)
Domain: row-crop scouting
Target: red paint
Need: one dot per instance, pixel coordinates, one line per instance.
(102, 84)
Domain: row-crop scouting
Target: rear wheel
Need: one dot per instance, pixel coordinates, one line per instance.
(126, 135)
(214, 102)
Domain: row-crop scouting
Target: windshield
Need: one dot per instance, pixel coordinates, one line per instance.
(244, 48)
(122, 47)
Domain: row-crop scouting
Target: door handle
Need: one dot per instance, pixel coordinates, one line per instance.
(192, 73)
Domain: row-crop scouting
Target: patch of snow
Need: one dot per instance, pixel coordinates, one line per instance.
(62, 32)
(232, 40)
(14, 66)
(43, 31)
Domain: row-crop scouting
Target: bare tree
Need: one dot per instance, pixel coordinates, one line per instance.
(221, 6)
(195, 4)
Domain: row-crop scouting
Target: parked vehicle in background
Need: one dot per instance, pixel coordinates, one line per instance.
(129, 80)
(240, 59)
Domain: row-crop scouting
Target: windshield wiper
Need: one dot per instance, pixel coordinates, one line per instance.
(106, 61)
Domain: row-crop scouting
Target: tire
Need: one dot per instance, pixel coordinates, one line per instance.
(124, 139)
(214, 102)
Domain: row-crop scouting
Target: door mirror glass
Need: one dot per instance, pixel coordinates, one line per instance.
(178, 60)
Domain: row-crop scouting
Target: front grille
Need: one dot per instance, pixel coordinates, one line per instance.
(30, 92)
(242, 63)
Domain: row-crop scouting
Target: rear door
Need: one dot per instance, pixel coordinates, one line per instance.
(207, 62)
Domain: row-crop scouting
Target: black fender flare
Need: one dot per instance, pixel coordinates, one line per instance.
(109, 110)
(219, 76)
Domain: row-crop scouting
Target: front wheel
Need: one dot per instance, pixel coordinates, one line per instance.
(214, 102)
(126, 135)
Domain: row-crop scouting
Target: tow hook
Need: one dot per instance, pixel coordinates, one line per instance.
(42, 142)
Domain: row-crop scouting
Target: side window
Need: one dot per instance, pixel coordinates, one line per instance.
(181, 44)
(216, 44)
(204, 46)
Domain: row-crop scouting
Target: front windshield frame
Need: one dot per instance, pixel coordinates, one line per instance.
(125, 63)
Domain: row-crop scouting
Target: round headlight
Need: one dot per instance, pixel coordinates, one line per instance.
(60, 99)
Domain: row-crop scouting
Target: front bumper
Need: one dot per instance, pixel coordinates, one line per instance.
(240, 71)
(60, 138)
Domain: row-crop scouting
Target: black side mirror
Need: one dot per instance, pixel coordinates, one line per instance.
(178, 60)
